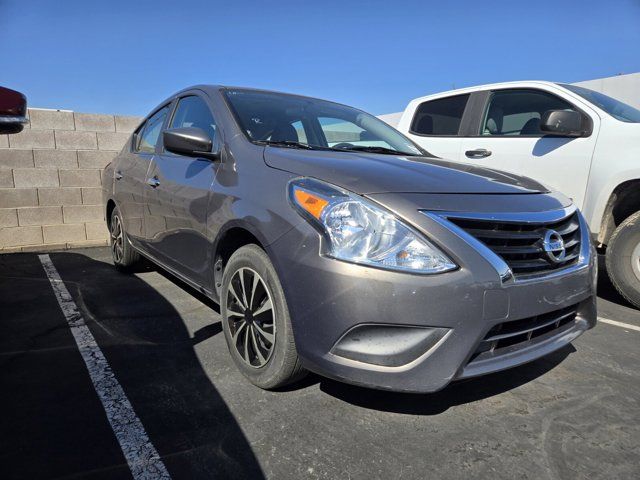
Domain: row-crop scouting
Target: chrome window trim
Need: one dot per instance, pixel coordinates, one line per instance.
(14, 119)
(501, 267)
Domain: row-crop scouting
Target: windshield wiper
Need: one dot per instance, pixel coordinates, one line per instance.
(288, 143)
(373, 149)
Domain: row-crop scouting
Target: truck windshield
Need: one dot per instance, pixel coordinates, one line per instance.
(617, 109)
(291, 121)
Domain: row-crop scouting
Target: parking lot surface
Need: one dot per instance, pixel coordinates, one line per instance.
(574, 414)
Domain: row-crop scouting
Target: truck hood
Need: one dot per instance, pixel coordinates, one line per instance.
(367, 173)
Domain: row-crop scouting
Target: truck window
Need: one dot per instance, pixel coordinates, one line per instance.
(518, 112)
(439, 117)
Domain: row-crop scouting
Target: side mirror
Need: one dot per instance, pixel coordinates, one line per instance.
(189, 141)
(13, 111)
(566, 123)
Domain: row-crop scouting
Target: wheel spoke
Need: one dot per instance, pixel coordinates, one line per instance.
(233, 313)
(256, 280)
(235, 295)
(265, 307)
(257, 349)
(238, 330)
(116, 227)
(266, 335)
(246, 346)
(244, 289)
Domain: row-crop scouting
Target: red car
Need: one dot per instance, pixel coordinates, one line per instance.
(13, 111)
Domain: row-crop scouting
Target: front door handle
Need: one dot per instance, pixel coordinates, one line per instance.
(153, 182)
(118, 175)
(478, 153)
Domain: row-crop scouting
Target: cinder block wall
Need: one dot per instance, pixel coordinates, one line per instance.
(50, 179)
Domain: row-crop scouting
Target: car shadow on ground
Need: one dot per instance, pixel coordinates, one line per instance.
(456, 393)
(151, 352)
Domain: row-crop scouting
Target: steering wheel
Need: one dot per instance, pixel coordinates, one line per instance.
(343, 145)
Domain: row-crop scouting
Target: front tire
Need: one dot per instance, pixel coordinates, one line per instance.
(256, 322)
(123, 254)
(623, 259)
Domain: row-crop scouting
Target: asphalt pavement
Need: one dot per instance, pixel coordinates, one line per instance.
(574, 414)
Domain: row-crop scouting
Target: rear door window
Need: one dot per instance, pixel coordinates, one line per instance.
(440, 117)
(148, 135)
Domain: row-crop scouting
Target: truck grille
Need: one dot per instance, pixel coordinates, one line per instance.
(516, 332)
(522, 244)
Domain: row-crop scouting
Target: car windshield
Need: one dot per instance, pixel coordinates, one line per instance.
(617, 109)
(300, 122)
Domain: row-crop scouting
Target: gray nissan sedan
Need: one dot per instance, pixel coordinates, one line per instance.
(335, 244)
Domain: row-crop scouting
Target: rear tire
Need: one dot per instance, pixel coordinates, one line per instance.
(256, 322)
(123, 254)
(623, 259)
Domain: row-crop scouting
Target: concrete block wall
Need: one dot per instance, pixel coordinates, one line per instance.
(50, 179)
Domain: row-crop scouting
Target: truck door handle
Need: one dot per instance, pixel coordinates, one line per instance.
(118, 175)
(153, 182)
(478, 153)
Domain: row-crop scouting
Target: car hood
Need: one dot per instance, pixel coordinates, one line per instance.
(367, 173)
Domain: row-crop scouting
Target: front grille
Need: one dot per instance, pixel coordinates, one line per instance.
(521, 244)
(515, 332)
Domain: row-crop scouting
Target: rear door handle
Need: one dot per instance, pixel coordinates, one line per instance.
(478, 153)
(153, 182)
(118, 175)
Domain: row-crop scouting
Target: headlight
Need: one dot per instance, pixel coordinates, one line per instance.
(356, 230)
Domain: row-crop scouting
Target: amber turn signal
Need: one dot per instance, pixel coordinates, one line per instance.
(310, 202)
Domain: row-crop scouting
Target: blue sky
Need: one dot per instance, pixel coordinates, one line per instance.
(125, 56)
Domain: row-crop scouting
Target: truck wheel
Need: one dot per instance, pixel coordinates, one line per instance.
(623, 259)
(124, 256)
(255, 320)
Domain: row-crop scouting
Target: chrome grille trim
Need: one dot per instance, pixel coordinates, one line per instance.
(578, 241)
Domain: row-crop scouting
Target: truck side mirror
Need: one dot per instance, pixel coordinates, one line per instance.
(566, 123)
(13, 111)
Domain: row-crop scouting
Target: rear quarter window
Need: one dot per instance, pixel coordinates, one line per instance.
(440, 117)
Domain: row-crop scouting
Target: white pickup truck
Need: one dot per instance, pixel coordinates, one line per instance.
(572, 139)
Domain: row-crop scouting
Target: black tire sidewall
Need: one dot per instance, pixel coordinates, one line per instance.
(279, 365)
(618, 259)
(129, 255)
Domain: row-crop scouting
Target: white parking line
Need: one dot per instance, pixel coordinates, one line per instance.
(619, 324)
(142, 457)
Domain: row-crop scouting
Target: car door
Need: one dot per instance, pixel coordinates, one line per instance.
(131, 173)
(508, 138)
(177, 196)
(437, 125)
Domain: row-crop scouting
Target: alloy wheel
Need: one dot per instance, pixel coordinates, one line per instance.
(117, 239)
(251, 317)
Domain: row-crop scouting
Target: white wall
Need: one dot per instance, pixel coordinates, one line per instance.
(625, 88)
(391, 118)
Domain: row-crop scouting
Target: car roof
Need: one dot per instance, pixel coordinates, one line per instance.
(219, 88)
(488, 86)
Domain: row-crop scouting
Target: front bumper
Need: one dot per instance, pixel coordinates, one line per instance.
(327, 299)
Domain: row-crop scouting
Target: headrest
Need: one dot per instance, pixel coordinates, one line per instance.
(425, 125)
(285, 132)
(532, 127)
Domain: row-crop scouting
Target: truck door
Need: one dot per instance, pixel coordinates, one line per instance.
(509, 138)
